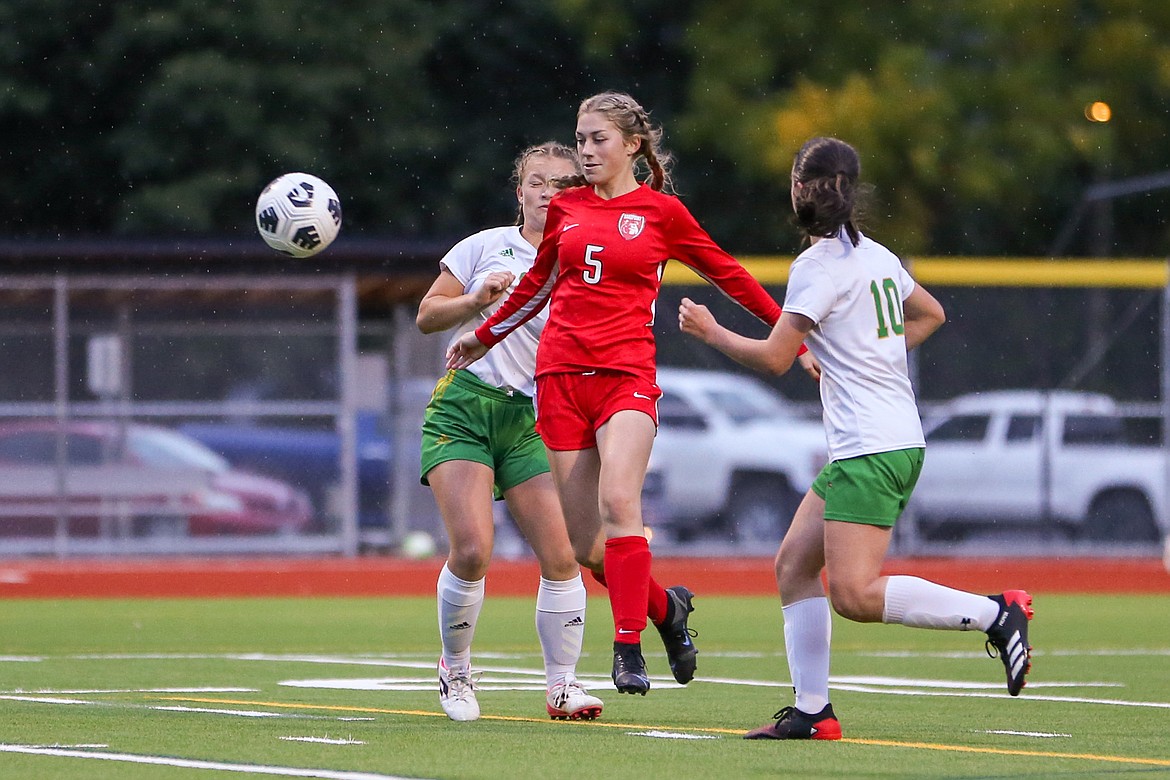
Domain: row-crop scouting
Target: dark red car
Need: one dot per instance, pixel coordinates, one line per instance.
(129, 479)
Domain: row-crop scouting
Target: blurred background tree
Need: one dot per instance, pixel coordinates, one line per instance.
(142, 118)
(969, 115)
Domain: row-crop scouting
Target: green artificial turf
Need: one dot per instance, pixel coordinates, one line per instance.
(108, 683)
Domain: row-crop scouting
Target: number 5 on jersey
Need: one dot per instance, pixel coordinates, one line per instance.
(592, 274)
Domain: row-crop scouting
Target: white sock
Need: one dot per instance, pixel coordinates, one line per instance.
(916, 602)
(560, 624)
(459, 605)
(808, 631)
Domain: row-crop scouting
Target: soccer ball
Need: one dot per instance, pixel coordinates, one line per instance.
(418, 545)
(298, 214)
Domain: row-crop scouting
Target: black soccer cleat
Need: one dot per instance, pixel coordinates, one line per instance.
(676, 636)
(629, 669)
(1008, 637)
(791, 723)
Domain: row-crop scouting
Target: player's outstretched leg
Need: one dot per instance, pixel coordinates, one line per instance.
(677, 636)
(568, 700)
(791, 723)
(457, 693)
(629, 668)
(1008, 636)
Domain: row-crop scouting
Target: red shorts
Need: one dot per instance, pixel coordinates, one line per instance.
(571, 407)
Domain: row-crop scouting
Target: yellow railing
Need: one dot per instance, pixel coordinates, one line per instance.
(983, 272)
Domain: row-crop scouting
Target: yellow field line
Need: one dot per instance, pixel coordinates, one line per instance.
(1008, 752)
(423, 713)
(604, 724)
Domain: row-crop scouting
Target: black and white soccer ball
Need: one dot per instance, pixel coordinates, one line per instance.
(298, 214)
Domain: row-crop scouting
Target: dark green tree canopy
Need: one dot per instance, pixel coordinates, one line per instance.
(142, 118)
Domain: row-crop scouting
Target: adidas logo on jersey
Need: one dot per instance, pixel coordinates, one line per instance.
(577, 621)
(507, 252)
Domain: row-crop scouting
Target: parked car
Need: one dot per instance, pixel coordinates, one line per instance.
(387, 461)
(1045, 460)
(308, 458)
(732, 456)
(134, 479)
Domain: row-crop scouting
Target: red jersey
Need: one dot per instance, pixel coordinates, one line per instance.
(601, 263)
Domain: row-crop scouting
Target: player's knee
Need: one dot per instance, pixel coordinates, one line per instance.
(793, 572)
(620, 510)
(589, 554)
(559, 568)
(851, 601)
(469, 561)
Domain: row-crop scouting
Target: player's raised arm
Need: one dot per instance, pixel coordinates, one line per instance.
(773, 355)
(446, 304)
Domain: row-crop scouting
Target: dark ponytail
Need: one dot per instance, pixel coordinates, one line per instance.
(827, 201)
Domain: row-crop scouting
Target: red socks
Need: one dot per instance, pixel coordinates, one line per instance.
(656, 603)
(627, 575)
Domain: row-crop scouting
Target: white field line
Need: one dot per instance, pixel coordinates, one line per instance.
(843, 683)
(324, 740)
(875, 685)
(1163, 705)
(1132, 652)
(47, 700)
(1038, 734)
(527, 679)
(484, 683)
(898, 687)
(186, 763)
(425, 661)
(245, 713)
(670, 735)
(177, 708)
(95, 691)
(962, 684)
(238, 713)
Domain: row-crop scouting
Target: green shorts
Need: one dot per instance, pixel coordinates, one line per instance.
(869, 489)
(468, 419)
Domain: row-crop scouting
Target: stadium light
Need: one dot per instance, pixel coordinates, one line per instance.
(1098, 111)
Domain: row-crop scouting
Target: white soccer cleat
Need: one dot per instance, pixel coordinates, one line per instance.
(457, 693)
(568, 700)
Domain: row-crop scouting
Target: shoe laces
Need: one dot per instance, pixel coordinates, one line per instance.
(461, 683)
(675, 631)
(564, 690)
(783, 713)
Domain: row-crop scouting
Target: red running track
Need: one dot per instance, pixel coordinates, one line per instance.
(386, 576)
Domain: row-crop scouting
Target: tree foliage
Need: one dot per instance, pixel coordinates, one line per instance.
(969, 116)
(143, 118)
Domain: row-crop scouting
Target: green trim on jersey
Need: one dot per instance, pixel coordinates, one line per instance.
(869, 489)
(467, 419)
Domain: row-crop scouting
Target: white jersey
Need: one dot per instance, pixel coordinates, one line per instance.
(854, 296)
(511, 365)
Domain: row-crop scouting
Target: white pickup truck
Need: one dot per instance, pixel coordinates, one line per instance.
(732, 456)
(1060, 459)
